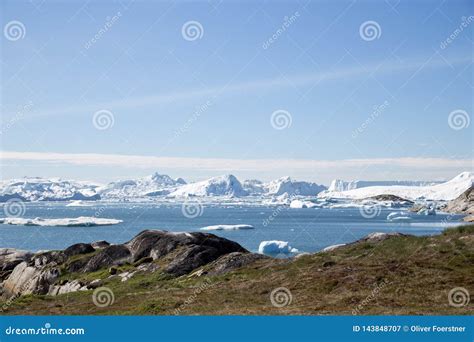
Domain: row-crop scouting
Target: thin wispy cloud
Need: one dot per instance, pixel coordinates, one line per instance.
(263, 84)
(234, 165)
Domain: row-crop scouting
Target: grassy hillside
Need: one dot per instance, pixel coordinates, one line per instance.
(400, 275)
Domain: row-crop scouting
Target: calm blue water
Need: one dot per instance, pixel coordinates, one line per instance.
(308, 230)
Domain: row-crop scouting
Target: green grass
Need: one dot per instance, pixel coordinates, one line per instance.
(410, 275)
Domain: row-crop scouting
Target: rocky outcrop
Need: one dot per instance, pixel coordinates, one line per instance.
(464, 204)
(109, 256)
(10, 258)
(232, 261)
(175, 253)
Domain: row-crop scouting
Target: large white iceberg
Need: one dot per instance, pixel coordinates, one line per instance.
(276, 247)
(227, 185)
(81, 221)
(42, 189)
(440, 192)
(228, 227)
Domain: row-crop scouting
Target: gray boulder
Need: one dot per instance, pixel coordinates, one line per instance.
(79, 248)
(109, 256)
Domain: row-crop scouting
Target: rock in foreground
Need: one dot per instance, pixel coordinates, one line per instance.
(176, 253)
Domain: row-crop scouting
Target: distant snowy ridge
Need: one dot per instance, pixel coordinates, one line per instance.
(287, 185)
(282, 191)
(41, 189)
(341, 185)
(440, 192)
(227, 185)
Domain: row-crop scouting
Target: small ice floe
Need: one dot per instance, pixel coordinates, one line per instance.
(297, 204)
(429, 210)
(81, 221)
(276, 247)
(333, 247)
(398, 216)
(228, 227)
(79, 203)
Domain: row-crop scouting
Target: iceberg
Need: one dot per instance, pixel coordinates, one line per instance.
(398, 216)
(81, 221)
(150, 186)
(298, 204)
(227, 185)
(79, 203)
(276, 247)
(286, 185)
(41, 189)
(228, 227)
(439, 192)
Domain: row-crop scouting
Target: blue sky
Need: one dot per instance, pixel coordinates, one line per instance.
(359, 108)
